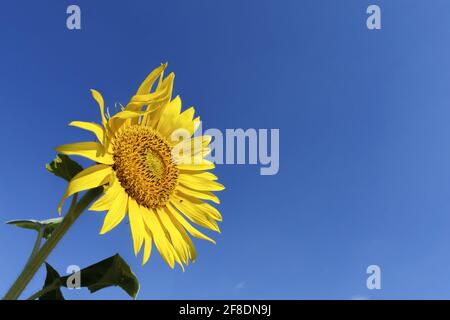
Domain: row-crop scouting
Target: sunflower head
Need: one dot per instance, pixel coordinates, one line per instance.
(161, 182)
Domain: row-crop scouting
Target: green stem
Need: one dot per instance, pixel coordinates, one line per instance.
(50, 287)
(33, 266)
(37, 244)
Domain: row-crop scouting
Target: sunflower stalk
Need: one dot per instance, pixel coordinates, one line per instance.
(39, 258)
(37, 244)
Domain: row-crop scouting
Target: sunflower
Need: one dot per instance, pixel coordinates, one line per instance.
(153, 168)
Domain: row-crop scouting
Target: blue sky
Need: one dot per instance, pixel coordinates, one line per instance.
(364, 139)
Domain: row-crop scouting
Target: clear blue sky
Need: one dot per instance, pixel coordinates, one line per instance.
(364, 119)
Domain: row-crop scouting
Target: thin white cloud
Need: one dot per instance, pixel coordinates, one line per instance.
(240, 285)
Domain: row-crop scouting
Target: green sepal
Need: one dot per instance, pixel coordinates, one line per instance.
(64, 167)
(48, 225)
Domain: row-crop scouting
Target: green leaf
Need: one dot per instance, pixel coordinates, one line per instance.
(49, 225)
(64, 167)
(52, 278)
(113, 271)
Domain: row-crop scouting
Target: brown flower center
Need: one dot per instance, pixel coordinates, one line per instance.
(144, 166)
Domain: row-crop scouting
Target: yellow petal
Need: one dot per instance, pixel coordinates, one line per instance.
(101, 103)
(133, 110)
(184, 122)
(159, 236)
(89, 178)
(189, 151)
(196, 123)
(147, 84)
(90, 126)
(116, 213)
(127, 114)
(197, 182)
(166, 94)
(91, 150)
(195, 216)
(193, 231)
(162, 93)
(177, 240)
(202, 166)
(205, 195)
(169, 116)
(105, 201)
(148, 240)
(205, 175)
(177, 258)
(191, 248)
(135, 213)
(154, 100)
(199, 205)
